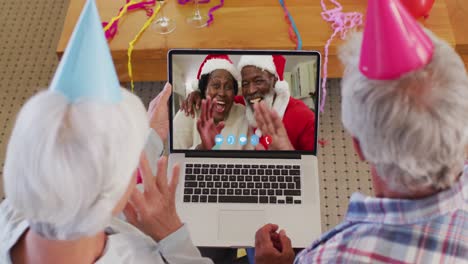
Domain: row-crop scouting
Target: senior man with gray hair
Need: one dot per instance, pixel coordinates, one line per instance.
(408, 118)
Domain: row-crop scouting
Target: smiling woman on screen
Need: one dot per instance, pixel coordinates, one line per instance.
(220, 117)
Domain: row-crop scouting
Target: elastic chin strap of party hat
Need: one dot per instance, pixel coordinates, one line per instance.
(342, 22)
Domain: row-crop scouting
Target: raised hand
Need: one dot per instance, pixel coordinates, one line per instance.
(192, 102)
(271, 125)
(154, 211)
(206, 125)
(158, 112)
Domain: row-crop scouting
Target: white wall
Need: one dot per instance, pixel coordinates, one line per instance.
(189, 64)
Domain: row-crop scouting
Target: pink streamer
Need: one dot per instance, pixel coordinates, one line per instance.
(183, 2)
(341, 23)
(212, 10)
(110, 33)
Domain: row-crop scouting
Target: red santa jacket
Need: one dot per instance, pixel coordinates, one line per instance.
(299, 122)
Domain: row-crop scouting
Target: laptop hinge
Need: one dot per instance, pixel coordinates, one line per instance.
(243, 155)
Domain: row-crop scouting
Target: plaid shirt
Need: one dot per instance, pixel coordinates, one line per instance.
(375, 230)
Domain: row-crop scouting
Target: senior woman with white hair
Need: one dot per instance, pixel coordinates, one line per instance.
(71, 168)
(408, 119)
(68, 175)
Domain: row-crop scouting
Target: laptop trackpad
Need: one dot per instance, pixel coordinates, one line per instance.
(240, 225)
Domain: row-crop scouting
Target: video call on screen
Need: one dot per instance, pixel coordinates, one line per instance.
(231, 124)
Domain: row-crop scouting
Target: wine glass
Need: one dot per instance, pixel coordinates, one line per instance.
(163, 25)
(197, 19)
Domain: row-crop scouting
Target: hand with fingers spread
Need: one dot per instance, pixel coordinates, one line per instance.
(206, 126)
(271, 125)
(272, 247)
(154, 211)
(158, 112)
(192, 102)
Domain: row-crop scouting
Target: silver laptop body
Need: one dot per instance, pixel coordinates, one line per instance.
(231, 219)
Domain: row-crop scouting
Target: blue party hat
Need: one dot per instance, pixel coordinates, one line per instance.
(86, 70)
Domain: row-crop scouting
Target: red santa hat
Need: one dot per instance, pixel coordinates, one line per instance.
(214, 62)
(274, 64)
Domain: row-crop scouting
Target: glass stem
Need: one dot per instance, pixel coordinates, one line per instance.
(161, 10)
(197, 9)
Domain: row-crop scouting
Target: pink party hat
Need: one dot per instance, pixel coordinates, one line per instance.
(394, 43)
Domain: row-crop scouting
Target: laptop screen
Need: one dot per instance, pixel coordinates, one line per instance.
(213, 107)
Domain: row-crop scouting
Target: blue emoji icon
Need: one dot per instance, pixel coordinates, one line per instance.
(254, 140)
(231, 139)
(242, 140)
(219, 139)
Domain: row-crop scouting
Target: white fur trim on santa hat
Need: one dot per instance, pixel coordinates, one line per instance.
(220, 64)
(282, 87)
(281, 103)
(264, 62)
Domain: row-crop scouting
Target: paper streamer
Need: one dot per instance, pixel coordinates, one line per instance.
(210, 12)
(111, 28)
(137, 37)
(293, 31)
(341, 23)
(183, 2)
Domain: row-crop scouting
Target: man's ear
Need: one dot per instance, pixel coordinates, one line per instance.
(357, 148)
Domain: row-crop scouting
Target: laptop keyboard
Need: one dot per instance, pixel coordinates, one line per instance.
(241, 183)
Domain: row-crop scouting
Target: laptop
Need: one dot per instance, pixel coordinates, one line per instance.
(227, 192)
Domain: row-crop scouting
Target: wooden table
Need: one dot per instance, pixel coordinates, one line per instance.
(240, 24)
(458, 13)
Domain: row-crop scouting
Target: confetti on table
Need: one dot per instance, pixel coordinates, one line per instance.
(323, 142)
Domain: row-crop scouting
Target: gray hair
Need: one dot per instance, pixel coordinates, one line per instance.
(68, 165)
(414, 129)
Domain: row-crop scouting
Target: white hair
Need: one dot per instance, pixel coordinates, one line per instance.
(69, 164)
(413, 129)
